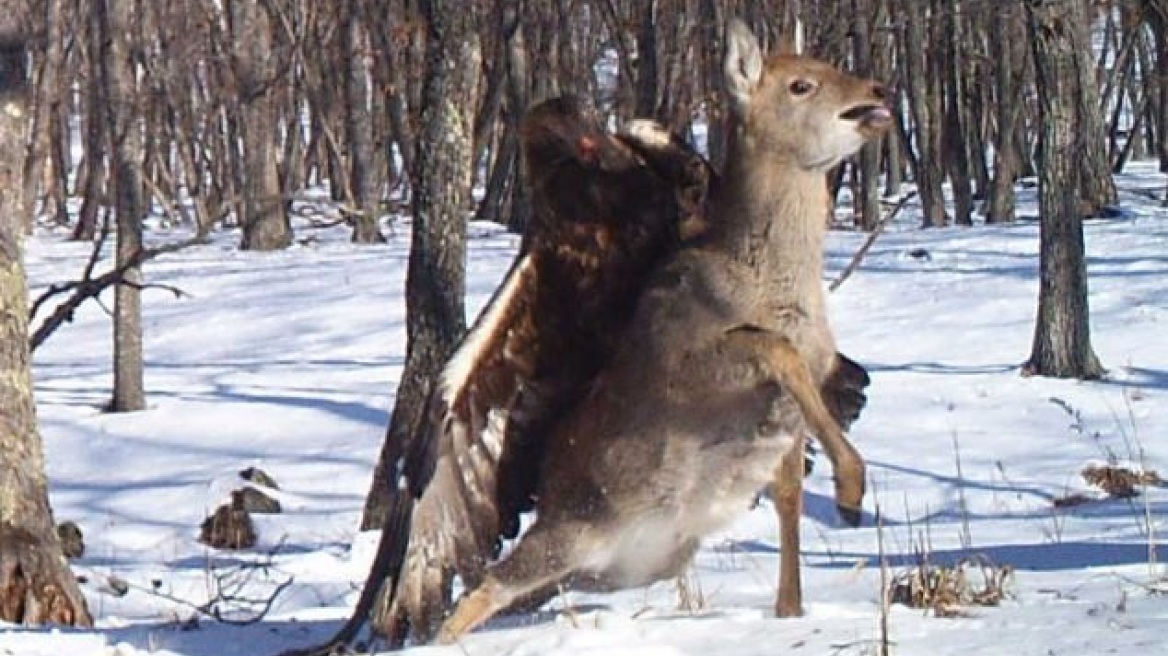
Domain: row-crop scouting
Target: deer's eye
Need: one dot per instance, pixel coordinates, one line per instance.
(802, 87)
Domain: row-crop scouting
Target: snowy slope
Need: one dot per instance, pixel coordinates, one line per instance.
(288, 362)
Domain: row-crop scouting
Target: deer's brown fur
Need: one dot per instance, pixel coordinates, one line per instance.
(717, 379)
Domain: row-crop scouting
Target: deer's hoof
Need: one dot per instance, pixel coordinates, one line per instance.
(852, 516)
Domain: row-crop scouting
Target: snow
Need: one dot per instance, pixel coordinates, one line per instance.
(287, 361)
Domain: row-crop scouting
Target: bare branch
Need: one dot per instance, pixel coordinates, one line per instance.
(89, 287)
(859, 256)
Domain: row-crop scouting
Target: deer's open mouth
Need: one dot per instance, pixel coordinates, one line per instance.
(871, 115)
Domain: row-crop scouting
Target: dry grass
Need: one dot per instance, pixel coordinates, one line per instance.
(1114, 481)
(947, 591)
(690, 596)
(1119, 482)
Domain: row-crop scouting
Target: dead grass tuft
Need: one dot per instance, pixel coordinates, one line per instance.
(1119, 482)
(947, 591)
(691, 598)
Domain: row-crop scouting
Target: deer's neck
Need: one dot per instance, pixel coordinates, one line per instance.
(770, 215)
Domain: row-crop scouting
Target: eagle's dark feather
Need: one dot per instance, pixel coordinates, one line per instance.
(605, 209)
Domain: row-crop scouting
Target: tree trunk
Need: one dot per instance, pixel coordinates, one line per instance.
(1007, 81)
(435, 278)
(949, 39)
(93, 124)
(507, 97)
(49, 159)
(924, 100)
(1156, 12)
(264, 220)
(1062, 338)
(36, 585)
(1096, 184)
(884, 64)
(518, 76)
(867, 171)
(118, 90)
(359, 128)
(647, 78)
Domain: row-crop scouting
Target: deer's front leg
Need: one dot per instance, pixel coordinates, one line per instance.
(792, 373)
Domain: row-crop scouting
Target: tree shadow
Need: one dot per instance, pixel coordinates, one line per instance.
(1036, 557)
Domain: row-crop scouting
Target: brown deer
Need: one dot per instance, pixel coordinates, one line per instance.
(606, 209)
(706, 400)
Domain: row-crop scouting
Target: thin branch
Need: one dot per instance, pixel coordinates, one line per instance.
(859, 256)
(87, 288)
(226, 587)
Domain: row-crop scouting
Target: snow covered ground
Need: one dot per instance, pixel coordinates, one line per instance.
(288, 361)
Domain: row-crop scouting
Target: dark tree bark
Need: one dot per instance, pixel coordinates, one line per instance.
(1008, 108)
(48, 161)
(924, 99)
(949, 39)
(359, 127)
(113, 28)
(1062, 338)
(93, 126)
(647, 90)
(867, 170)
(1096, 184)
(1156, 12)
(36, 586)
(505, 198)
(264, 219)
(885, 63)
(435, 279)
(518, 208)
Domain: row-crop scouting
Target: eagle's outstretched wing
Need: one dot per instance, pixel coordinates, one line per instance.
(605, 209)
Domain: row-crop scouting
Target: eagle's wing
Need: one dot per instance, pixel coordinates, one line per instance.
(472, 465)
(451, 470)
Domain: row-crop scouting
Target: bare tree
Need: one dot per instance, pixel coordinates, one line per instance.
(263, 214)
(1062, 337)
(113, 26)
(359, 132)
(924, 91)
(435, 279)
(1007, 66)
(1156, 12)
(1096, 188)
(956, 134)
(36, 586)
(866, 172)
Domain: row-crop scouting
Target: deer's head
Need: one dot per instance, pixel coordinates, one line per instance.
(797, 108)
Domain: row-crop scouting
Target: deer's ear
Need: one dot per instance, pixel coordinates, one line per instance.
(743, 62)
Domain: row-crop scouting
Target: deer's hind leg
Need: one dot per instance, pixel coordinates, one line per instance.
(791, 370)
(546, 555)
(787, 492)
